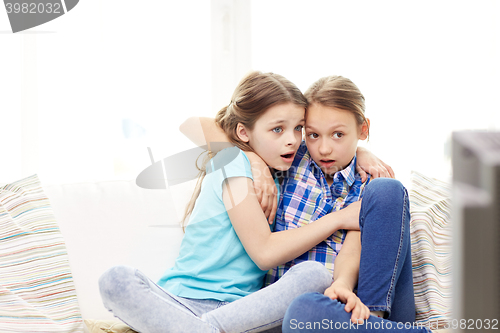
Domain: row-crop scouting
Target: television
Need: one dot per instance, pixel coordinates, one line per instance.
(475, 231)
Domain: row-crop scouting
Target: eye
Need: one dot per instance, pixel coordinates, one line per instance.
(277, 130)
(299, 128)
(312, 135)
(338, 135)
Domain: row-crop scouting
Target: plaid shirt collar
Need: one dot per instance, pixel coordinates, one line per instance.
(347, 174)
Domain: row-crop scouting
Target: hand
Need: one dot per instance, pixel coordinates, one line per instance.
(264, 186)
(369, 163)
(339, 291)
(350, 216)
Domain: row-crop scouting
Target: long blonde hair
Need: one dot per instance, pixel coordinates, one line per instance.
(254, 95)
(338, 92)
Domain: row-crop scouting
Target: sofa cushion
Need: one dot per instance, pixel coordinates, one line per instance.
(430, 209)
(37, 293)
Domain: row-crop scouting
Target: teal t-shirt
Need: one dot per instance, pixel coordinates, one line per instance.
(212, 262)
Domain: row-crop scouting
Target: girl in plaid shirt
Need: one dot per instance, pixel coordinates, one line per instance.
(375, 260)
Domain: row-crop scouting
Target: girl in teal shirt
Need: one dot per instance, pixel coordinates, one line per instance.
(215, 285)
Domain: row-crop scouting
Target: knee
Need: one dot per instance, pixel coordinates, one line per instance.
(115, 283)
(386, 192)
(389, 185)
(318, 276)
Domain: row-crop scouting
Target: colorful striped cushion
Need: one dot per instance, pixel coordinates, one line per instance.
(430, 208)
(37, 293)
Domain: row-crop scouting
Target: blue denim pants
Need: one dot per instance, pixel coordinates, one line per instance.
(385, 281)
(146, 307)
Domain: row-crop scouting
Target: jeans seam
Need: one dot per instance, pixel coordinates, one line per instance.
(393, 278)
(178, 303)
(361, 212)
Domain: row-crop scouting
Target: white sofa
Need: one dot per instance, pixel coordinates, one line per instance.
(118, 223)
(115, 222)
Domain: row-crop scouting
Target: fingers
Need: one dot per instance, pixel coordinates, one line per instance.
(389, 169)
(356, 315)
(360, 312)
(258, 193)
(273, 210)
(269, 206)
(374, 172)
(266, 194)
(329, 292)
(380, 171)
(273, 204)
(362, 173)
(366, 312)
(350, 302)
(264, 202)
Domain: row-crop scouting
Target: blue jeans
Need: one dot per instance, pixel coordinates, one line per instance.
(385, 281)
(146, 307)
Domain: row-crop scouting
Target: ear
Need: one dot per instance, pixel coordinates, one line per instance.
(365, 128)
(242, 133)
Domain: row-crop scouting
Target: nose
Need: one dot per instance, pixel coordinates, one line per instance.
(291, 139)
(324, 148)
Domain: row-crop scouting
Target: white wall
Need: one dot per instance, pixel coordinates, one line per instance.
(426, 68)
(67, 85)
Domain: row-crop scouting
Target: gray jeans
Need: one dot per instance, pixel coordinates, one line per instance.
(148, 308)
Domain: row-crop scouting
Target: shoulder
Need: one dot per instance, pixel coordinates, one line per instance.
(226, 157)
(230, 162)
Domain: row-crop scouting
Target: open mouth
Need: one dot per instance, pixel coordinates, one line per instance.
(327, 163)
(287, 156)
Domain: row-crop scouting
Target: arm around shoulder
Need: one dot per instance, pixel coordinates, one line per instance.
(202, 130)
(270, 249)
(367, 162)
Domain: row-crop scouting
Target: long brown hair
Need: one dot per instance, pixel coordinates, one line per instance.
(338, 92)
(254, 95)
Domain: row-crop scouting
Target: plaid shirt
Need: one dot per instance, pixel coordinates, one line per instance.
(306, 196)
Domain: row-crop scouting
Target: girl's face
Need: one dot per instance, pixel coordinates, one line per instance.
(276, 135)
(332, 136)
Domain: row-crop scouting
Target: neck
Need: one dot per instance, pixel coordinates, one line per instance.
(329, 180)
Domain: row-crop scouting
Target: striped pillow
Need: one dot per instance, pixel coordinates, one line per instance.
(430, 209)
(37, 293)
